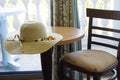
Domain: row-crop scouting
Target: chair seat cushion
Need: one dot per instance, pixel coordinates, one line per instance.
(91, 60)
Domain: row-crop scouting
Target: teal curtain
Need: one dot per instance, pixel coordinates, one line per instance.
(65, 13)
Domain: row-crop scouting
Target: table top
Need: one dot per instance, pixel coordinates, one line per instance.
(69, 34)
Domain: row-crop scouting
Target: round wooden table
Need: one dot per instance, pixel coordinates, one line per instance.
(70, 35)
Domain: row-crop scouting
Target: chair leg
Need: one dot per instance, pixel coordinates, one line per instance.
(96, 77)
(61, 76)
(118, 73)
(88, 77)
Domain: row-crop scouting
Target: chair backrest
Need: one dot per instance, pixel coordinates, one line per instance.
(105, 35)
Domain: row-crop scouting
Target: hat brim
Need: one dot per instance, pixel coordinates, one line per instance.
(17, 47)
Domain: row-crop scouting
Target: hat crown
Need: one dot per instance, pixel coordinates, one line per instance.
(32, 31)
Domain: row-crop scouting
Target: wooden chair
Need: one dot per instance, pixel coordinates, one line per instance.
(97, 62)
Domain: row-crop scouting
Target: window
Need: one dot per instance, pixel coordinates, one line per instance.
(15, 13)
(99, 4)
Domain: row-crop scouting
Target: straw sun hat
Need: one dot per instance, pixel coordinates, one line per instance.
(33, 39)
